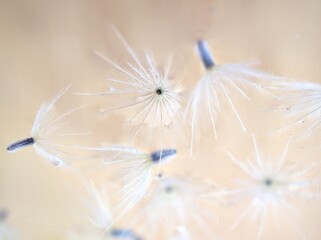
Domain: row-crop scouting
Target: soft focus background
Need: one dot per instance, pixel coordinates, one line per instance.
(47, 45)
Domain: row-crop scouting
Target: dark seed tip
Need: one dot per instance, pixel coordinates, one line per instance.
(162, 155)
(205, 54)
(20, 144)
(159, 91)
(124, 233)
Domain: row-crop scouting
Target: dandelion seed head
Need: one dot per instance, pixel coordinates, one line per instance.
(271, 186)
(149, 97)
(172, 202)
(156, 101)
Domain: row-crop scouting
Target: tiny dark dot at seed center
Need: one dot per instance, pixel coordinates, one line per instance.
(169, 189)
(268, 182)
(159, 91)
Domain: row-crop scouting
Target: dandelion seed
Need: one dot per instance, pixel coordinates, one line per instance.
(101, 217)
(301, 106)
(137, 175)
(151, 99)
(218, 83)
(46, 130)
(172, 203)
(136, 168)
(271, 188)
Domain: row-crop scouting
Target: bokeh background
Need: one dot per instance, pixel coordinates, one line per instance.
(47, 45)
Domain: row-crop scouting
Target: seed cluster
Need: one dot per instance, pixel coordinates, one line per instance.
(153, 104)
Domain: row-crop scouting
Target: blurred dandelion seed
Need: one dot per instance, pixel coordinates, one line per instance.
(150, 98)
(136, 172)
(101, 217)
(218, 83)
(46, 130)
(171, 203)
(301, 106)
(271, 188)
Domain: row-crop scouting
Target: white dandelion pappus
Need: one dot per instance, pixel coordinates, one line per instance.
(174, 203)
(101, 217)
(271, 188)
(103, 220)
(151, 99)
(48, 128)
(218, 84)
(136, 168)
(301, 106)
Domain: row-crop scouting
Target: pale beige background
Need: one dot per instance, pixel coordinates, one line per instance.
(46, 45)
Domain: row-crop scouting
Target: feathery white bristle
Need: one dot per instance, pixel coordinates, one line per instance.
(270, 187)
(217, 86)
(301, 107)
(174, 202)
(135, 167)
(150, 99)
(47, 130)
